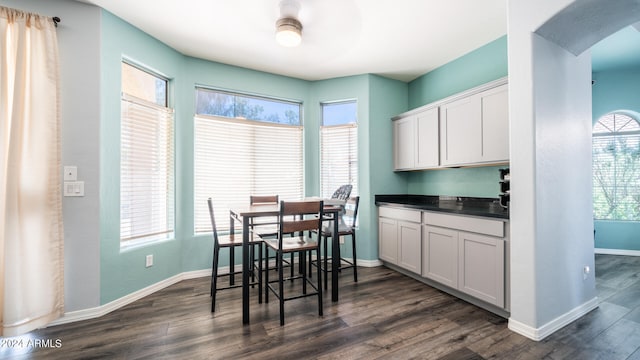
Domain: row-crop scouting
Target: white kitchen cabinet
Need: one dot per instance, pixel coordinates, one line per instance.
(427, 142)
(404, 139)
(388, 239)
(409, 244)
(440, 255)
(461, 132)
(467, 253)
(475, 129)
(481, 264)
(399, 237)
(416, 141)
(495, 125)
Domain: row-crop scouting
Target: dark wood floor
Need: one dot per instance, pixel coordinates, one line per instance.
(384, 316)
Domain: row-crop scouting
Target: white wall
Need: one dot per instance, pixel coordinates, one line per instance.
(80, 109)
(564, 241)
(551, 208)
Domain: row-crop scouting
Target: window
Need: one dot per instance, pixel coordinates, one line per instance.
(146, 158)
(338, 147)
(244, 145)
(231, 105)
(616, 168)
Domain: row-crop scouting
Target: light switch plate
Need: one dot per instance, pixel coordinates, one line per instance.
(70, 173)
(73, 188)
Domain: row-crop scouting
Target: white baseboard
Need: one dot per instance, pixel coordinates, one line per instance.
(617, 252)
(102, 310)
(554, 325)
(369, 263)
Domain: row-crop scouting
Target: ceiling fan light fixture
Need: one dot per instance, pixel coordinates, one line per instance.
(288, 32)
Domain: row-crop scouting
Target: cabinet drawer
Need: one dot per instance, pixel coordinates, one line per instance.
(465, 223)
(401, 214)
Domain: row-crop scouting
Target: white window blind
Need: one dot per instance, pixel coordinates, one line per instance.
(236, 158)
(146, 171)
(339, 158)
(616, 168)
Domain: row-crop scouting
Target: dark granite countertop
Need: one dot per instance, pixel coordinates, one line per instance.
(488, 207)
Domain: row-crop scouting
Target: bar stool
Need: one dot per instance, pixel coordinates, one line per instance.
(346, 227)
(230, 242)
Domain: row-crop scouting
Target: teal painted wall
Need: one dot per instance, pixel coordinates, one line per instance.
(345, 88)
(616, 90)
(123, 272)
(387, 98)
(480, 66)
(474, 182)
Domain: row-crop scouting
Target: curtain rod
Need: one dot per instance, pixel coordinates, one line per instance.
(56, 20)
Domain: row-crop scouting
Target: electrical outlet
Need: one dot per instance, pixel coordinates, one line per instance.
(149, 262)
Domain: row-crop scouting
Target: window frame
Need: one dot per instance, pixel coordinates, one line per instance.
(162, 113)
(614, 196)
(327, 190)
(258, 129)
(248, 96)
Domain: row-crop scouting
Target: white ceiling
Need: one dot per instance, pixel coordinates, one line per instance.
(400, 39)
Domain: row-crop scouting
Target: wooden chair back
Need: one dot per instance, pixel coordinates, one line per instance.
(263, 199)
(213, 221)
(300, 216)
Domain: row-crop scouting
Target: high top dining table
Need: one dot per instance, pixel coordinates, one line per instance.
(245, 212)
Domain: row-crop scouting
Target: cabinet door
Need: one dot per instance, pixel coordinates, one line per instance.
(481, 267)
(388, 239)
(440, 255)
(409, 245)
(404, 143)
(495, 125)
(460, 132)
(427, 143)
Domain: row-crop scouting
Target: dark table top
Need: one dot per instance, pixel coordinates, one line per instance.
(488, 207)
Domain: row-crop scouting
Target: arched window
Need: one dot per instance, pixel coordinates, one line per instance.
(616, 168)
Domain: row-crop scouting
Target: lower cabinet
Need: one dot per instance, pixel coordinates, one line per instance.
(388, 244)
(465, 253)
(409, 243)
(400, 238)
(440, 255)
(481, 267)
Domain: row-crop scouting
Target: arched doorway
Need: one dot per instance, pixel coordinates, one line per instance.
(550, 112)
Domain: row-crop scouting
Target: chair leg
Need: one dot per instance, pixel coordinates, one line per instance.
(266, 275)
(252, 257)
(326, 261)
(355, 257)
(232, 266)
(259, 272)
(303, 266)
(281, 286)
(214, 277)
(292, 265)
(319, 284)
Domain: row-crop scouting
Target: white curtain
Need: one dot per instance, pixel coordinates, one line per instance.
(31, 232)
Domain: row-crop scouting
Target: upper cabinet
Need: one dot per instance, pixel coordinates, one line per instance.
(404, 142)
(475, 129)
(416, 141)
(467, 129)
